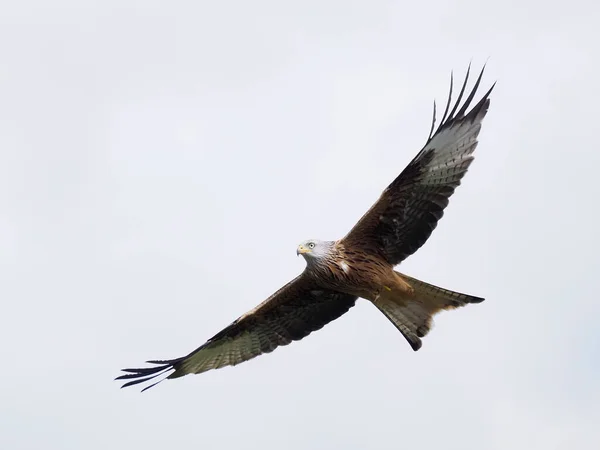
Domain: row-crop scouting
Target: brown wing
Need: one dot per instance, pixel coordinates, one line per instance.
(408, 211)
(293, 312)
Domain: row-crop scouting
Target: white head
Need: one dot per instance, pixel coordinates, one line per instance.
(314, 250)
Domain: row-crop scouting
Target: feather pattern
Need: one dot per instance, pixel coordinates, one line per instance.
(409, 209)
(290, 314)
(414, 318)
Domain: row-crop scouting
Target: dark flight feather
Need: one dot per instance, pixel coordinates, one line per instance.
(409, 209)
(292, 313)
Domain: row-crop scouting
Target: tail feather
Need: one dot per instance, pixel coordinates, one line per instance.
(413, 316)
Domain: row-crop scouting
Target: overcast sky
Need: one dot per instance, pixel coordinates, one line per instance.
(160, 161)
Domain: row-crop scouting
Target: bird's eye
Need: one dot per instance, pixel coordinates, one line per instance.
(311, 245)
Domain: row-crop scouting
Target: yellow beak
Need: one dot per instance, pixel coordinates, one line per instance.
(302, 249)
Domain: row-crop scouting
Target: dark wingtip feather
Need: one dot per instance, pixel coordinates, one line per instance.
(482, 105)
(144, 374)
(449, 100)
(469, 99)
(142, 371)
(460, 94)
(134, 382)
(458, 112)
(152, 385)
(432, 121)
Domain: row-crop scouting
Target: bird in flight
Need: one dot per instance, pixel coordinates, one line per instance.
(361, 264)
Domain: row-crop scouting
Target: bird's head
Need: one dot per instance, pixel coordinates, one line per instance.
(314, 249)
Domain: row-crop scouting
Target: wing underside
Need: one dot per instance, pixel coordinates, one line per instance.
(409, 209)
(292, 313)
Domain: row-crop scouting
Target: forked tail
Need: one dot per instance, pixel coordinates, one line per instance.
(413, 316)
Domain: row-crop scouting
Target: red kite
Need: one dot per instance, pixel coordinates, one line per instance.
(361, 264)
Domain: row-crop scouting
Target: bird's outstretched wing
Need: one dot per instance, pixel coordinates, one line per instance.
(293, 312)
(408, 211)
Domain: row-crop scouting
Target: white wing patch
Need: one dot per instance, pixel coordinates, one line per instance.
(345, 267)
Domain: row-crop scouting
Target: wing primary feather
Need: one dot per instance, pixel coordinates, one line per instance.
(142, 375)
(139, 380)
(129, 376)
(143, 371)
(447, 103)
(153, 384)
(142, 380)
(471, 95)
(432, 122)
(462, 91)
(484, 101)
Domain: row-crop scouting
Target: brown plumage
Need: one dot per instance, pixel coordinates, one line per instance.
(361, 264)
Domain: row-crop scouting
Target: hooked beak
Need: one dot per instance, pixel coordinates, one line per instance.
(302, 250)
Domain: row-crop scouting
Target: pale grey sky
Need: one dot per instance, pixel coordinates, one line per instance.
(160, 161)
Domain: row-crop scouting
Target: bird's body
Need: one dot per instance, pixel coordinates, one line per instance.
(409, 303)
(361, 264)
(357, 273)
